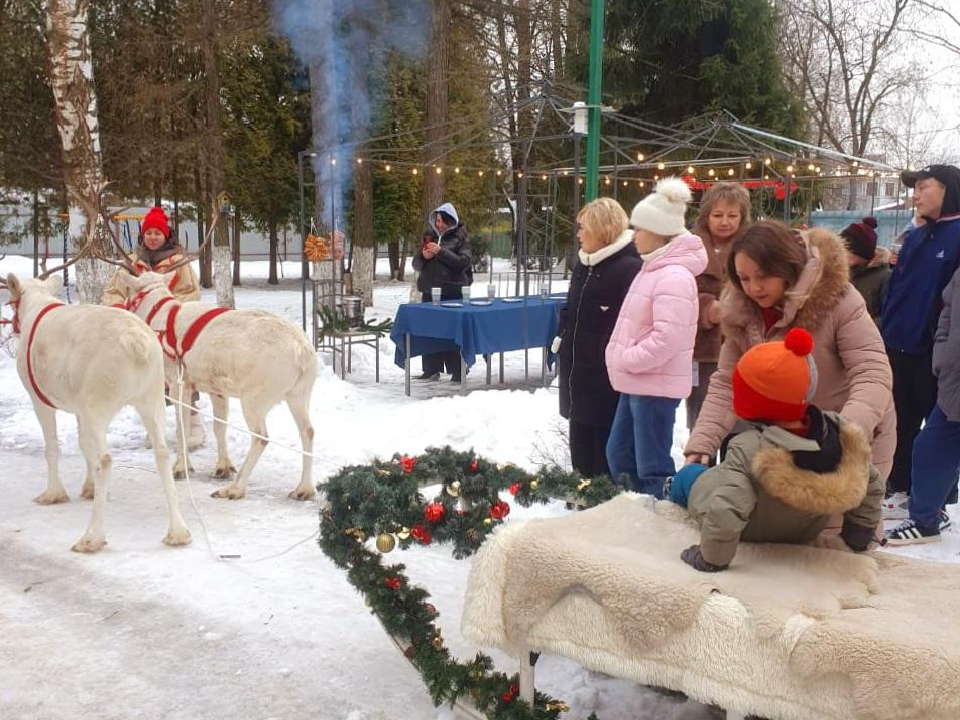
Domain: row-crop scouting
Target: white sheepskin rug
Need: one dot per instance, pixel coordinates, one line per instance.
(787, 632)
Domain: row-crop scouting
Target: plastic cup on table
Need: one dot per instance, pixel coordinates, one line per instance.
(491, 291)
(466, 293)
(435, 295)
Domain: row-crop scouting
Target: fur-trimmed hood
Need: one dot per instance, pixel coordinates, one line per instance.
(823, 281)
(822, 493)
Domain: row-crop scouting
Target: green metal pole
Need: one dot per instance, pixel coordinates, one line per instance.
(597, 11)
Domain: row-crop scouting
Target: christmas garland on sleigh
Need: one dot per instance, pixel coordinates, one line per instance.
(383, 501)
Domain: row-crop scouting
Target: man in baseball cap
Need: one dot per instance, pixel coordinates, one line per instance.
(927, 261)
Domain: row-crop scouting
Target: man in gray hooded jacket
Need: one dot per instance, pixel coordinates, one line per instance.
(936, 451)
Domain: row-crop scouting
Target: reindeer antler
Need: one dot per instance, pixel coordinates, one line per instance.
(187, 259)
(91, 207)
(99, 209)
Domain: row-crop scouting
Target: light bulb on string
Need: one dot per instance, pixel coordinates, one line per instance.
(789, 168)
(661, 166)
(333, 161)
(387, 167)
(639, 157)
(711, 172)
(641, 183)
(439, 170)
(768, 162)
(748, 166)
(499, 173)
(811, 166)
(480, 173)
(656, 177)
(690, 169)
(606, 181)
(580, 181)
(359, 161)
(730, 172)
(624, 183)
(414, 171)
(456, 170)
(543, 177)
(519, 175)
(817, 170)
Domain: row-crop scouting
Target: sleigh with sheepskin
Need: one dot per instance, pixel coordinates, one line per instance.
(786, 633)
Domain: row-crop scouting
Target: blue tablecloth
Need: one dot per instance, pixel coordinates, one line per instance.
(476, 329)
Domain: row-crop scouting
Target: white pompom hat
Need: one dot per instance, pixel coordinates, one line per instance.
(662, 211)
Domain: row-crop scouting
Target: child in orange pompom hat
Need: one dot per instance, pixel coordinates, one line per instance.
(780, 481)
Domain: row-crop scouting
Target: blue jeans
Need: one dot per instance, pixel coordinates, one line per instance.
(936, 462)
(683, 481)
(640, 442)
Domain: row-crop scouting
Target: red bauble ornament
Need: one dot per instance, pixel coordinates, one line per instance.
(507, 696)
(514, 488)
(499, 510)
(392, 582)
(505, 508)
(408, 463)
(421, 534)
(474, 467)
(434, 512)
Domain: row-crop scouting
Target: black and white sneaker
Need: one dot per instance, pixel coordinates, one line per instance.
(944, 521)
(909, 533)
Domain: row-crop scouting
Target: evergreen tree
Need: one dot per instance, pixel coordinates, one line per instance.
(666, 61)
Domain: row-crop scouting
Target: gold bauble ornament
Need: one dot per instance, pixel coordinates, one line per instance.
(403, 533)
(488, 522)
(557, 706)
(385, 542)
(453, 489)
(534, 484)
(438, 643)
(584, 484)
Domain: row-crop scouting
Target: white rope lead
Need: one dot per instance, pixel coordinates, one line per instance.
(247, 431)
(219, 557)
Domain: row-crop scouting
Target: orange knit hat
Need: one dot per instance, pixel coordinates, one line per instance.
(776, 380)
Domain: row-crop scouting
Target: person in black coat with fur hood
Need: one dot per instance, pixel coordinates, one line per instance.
(608, 264)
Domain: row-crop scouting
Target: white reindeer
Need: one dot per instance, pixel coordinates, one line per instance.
(248, 354)
(90, 361)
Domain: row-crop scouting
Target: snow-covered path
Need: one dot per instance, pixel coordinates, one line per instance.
(141, 630)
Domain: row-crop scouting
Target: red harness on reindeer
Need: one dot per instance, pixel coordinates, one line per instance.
(168, 336)
(15, 304)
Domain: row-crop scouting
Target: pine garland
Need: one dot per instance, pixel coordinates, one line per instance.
(383, 501)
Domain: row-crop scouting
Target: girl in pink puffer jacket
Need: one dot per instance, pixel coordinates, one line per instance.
(650, 354)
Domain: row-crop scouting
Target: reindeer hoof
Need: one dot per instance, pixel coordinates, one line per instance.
(224, 472)
(176, 538)
(230, 492)
(89, 545)
(303, 494)
(88, 492)
(179, 475)
(51, 498)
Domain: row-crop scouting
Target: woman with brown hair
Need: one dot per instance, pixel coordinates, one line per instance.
(724, 211)
(780, 280)
(608, 264)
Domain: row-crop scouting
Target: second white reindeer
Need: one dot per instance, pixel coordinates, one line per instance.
(247, 354)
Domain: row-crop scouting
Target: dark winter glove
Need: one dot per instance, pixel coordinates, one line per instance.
(857, 537)
(694, 558)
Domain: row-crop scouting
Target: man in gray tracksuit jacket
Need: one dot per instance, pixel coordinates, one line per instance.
(936, 451)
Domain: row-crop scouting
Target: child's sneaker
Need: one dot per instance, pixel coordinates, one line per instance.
(944, 521)
(896, 506)
(909, 533)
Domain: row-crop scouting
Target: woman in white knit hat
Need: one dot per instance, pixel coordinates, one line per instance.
(650, 354)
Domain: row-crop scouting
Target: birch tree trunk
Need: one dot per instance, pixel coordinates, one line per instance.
(75, 102)
(222, 255)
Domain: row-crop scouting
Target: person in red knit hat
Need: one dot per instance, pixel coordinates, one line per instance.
(157, 252)
(869, 265)
(780, 481)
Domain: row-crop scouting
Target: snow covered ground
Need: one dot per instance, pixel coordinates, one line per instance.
(141, 630)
